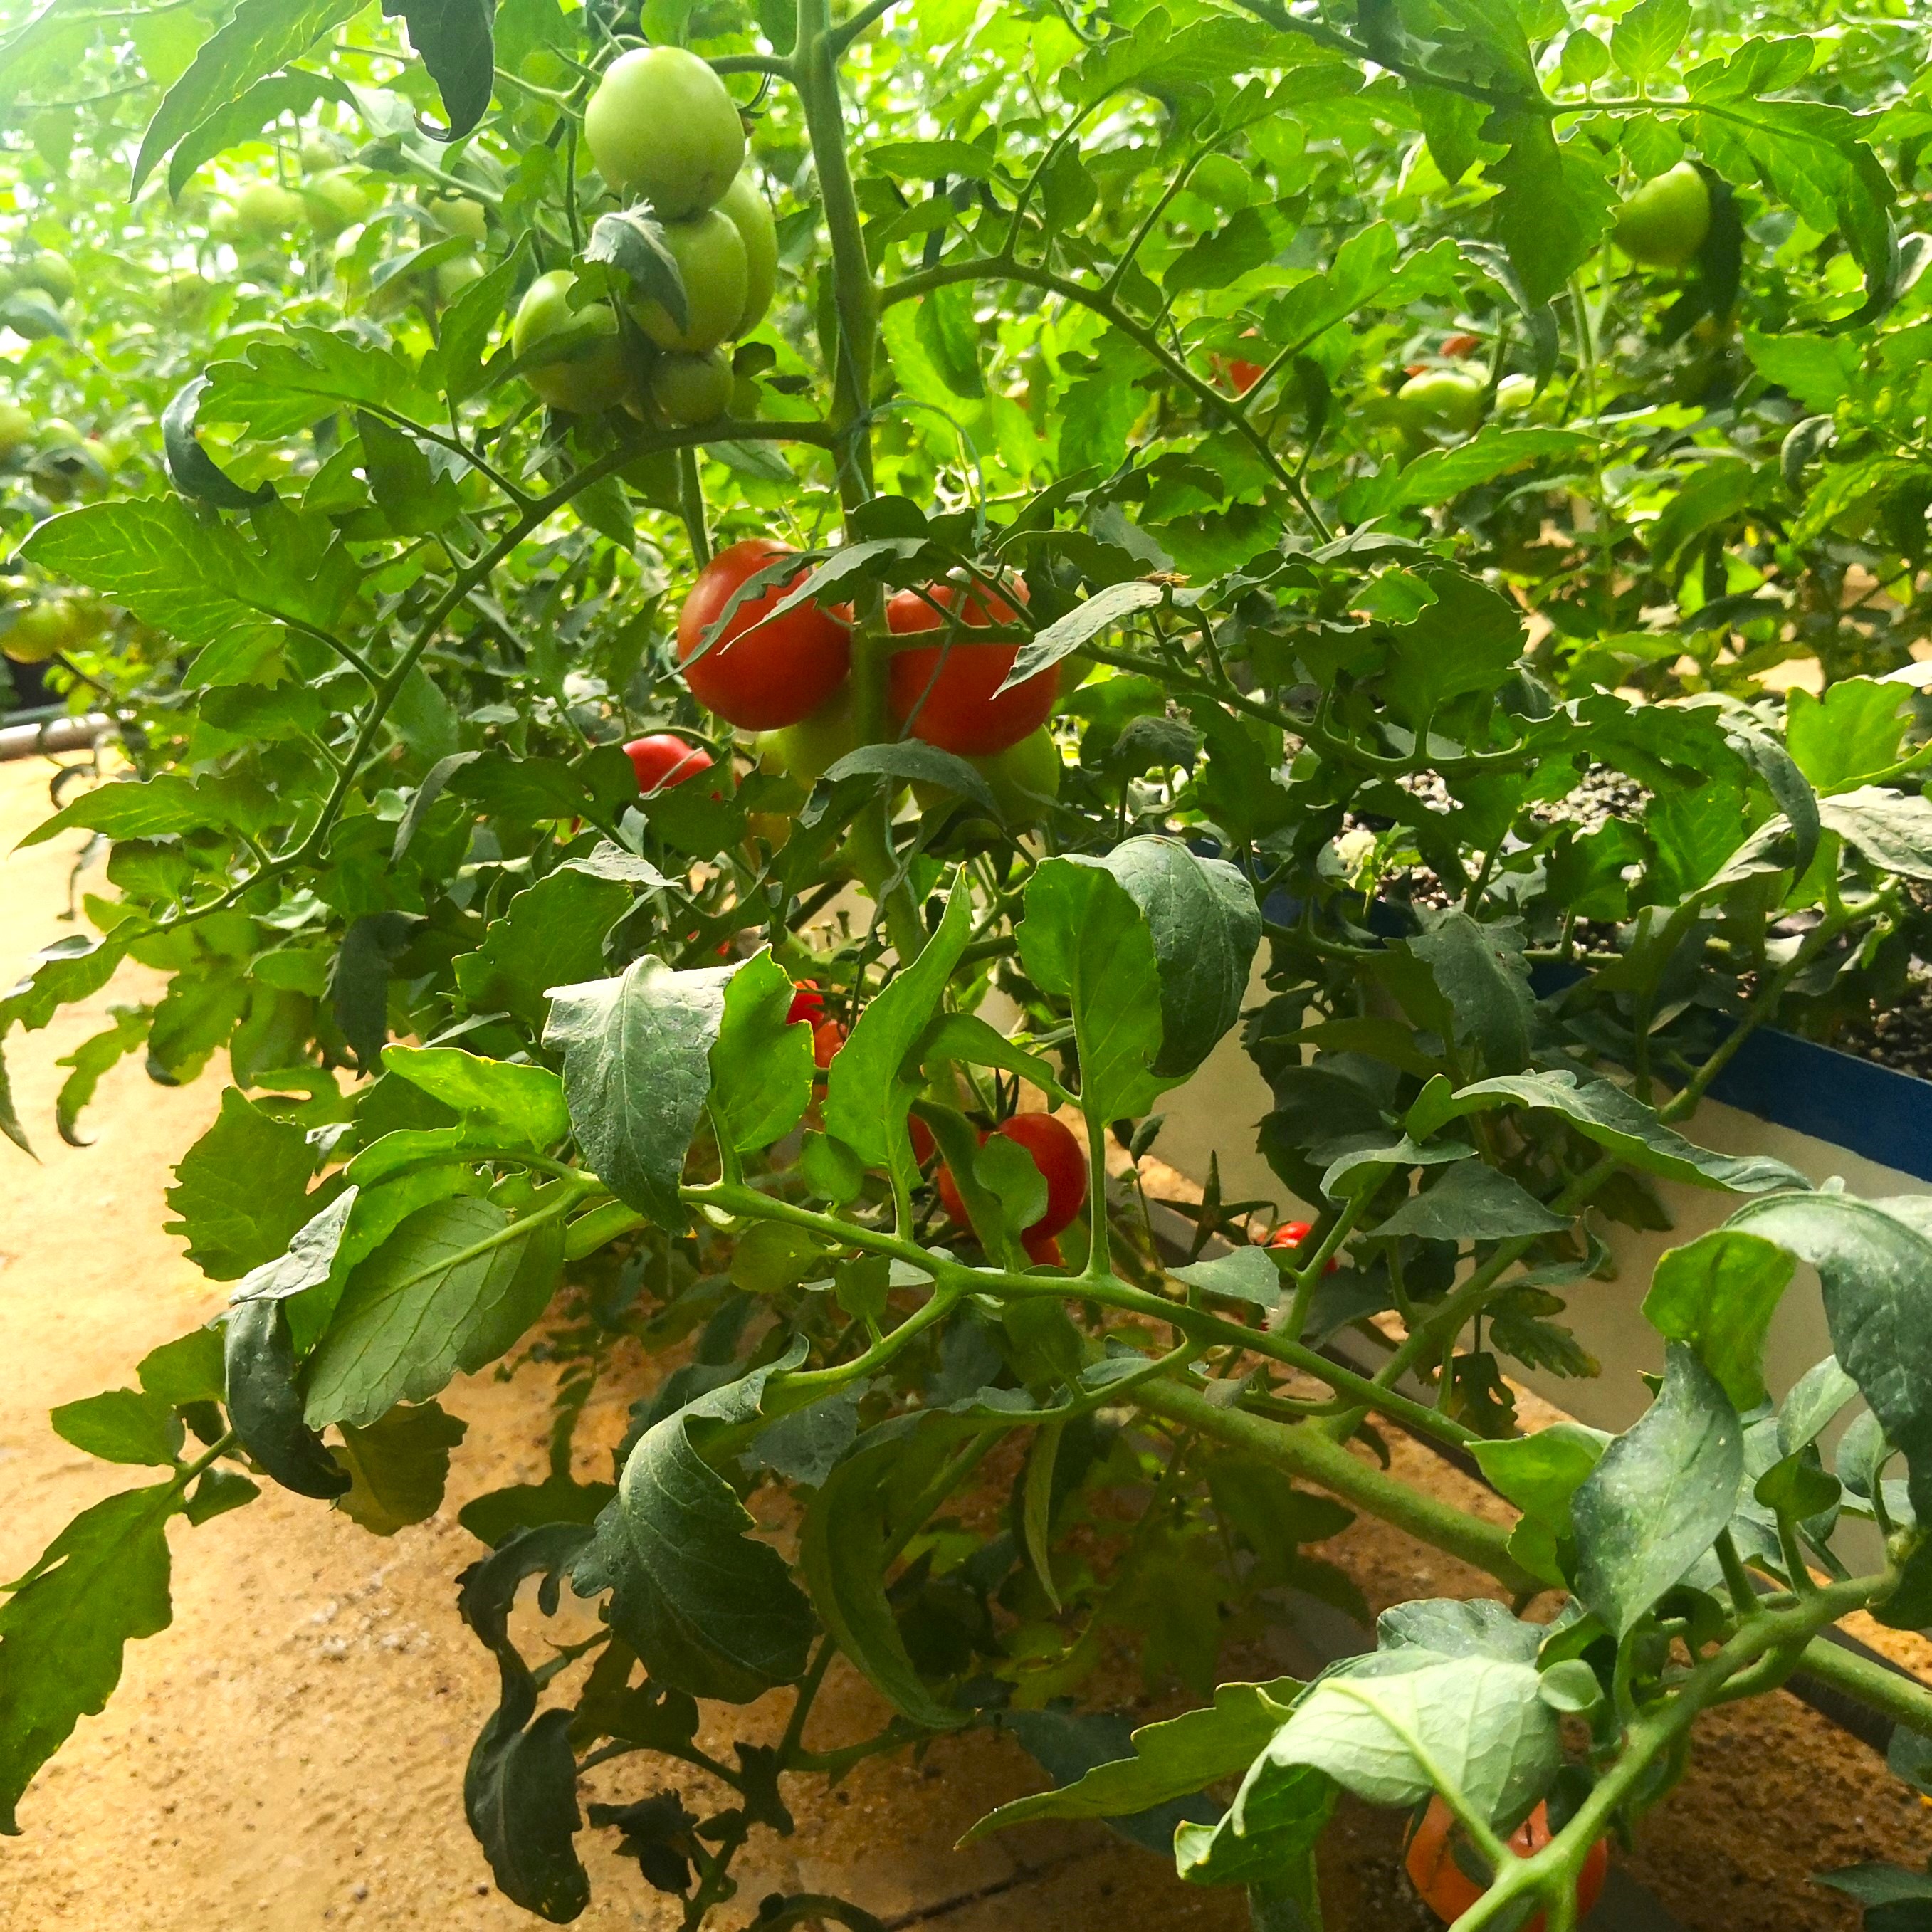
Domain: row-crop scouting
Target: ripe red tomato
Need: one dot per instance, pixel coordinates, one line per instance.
(1461, 343)
(1245, 375)
(1062, 1163)
(948, 693)
(1449, 1891)
(808, 1003)
(1292, 1234)
(776, 676)
(1042, 1250)
(827, 1037)
(923, 1145)
(661, 760)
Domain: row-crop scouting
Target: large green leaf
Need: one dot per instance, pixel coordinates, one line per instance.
(452, 1289)
(868, 1089)
(1660, 1494)
(1474, 1726)
(844, 1548)
(1172, 1760)
(1891, 830)
(636, 1072)
(1875, 1268)
(1717, 1296)
(761, 1066)
(525, 1105)
(1480, 970)
(103, 1581)
(261, 36)
(1084, 940)
(709, 1610)
(551, 935)
(241, 1190)
(1205, 925)
(1623, 1124)
(1470, 1201)
(398, 1466)
(187, 573)
(265, 1406)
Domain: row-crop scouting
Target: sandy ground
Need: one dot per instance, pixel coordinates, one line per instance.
(289, 1753)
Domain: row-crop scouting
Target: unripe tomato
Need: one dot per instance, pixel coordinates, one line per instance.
(660, 125)
(16, 429)
(1449, 1891)
(42, 631)
(947, 692)
(1514, 395)
(745, 207)
(266, 209)
(57, 433)
(587, 373)
(50, 272)
(457, 214)
(778, 675)
(1440, 399)
(185, 296)
(1024, 776)
(337, 200)
(827, 1039)
(1292, 1234)
(710, 257)
(808, 1003)
(1062, 1163)
(456, 274)
(661, 760)
(1663, 225)
(805, 749)
(692, 389)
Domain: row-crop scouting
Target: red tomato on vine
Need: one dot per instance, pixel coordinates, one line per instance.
(1062, 1162)
(660, 760)
(947, 691)
(774, 676)
(1449, 1891)
(808, 1003)
(1292, 1234)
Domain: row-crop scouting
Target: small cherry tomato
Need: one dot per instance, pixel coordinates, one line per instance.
(808, 1003)
(661, 760)
(946, 693)
(1062, 1163)
(779, 674)
(1449, 1891)
(827, 1037)
(1461, 343)
(923, 1145)
(1042, 1250)
(1292, 1234)
(1245, 375)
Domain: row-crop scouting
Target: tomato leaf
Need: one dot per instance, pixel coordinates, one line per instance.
(1661, 1492)
(398, 1466)
(103, 1581)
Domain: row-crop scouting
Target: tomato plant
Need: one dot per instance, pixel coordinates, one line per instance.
(1487, 711)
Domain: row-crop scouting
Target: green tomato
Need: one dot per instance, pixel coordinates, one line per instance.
(1440, 399)
(692, 389)
(48, 271)
(337, 200)
(457, 214)
(1514, 395)
(1663, 224)
(57, 433)
(807, 748)
(583, 371)
(42, 631)
(185, 296)
(1024, 776)
(456, 274)
(750, 215)
(661, 126)
(266, 209)
(16, 429)
(319, 152)
(710, 257)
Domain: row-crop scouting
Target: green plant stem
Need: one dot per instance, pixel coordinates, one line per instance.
(1904, 1700)
(1303, 1449)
